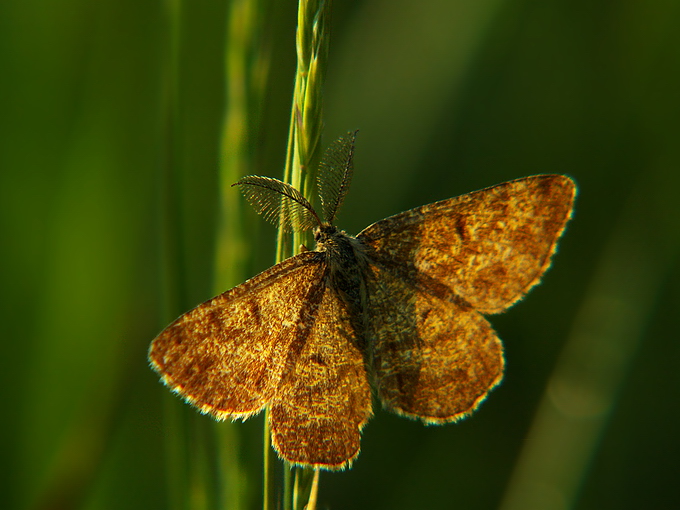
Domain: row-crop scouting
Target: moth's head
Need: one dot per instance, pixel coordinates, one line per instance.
(329, 238)
(324, 231)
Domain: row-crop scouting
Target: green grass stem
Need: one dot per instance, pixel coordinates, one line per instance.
(302, 160)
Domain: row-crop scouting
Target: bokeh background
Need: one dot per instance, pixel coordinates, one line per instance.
(111, 110)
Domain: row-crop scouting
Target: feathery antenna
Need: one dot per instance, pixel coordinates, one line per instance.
(335, 175)
(279, 203)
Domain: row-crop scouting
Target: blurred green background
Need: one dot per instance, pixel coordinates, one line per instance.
(104, 103)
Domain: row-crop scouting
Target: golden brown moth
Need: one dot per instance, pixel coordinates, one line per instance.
(400, 308)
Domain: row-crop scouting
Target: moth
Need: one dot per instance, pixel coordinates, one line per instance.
(399, 309)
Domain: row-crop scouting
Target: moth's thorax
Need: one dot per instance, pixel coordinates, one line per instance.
(347, 265)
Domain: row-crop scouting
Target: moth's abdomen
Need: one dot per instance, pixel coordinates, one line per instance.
(346, 274)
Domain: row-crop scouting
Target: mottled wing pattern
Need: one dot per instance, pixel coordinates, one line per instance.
(432, 357)
(282, 339)
(325, 398)
(489, 247)
(434, 269)
(228, 355)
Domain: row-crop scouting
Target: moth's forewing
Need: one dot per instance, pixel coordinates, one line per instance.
(325, 398)
(434, 269)
(282, 339)
(227, 356)
(489, 247)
